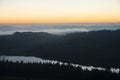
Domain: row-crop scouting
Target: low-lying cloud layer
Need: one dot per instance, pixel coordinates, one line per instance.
(43, 61)
(57, 28)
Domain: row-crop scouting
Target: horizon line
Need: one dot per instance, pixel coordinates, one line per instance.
(61, 23)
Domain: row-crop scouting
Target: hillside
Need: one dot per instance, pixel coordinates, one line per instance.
(98, 48)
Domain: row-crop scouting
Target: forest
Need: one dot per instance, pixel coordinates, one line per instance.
(96, 48)
(37, 71)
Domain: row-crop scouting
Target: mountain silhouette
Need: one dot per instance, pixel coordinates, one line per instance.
(97, 48)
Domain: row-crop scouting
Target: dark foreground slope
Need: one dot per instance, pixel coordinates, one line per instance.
(21, 71)
(97, 48)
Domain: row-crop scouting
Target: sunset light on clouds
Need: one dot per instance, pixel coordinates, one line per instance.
(59, 11)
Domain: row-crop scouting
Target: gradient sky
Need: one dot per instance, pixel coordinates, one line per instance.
(59, 11)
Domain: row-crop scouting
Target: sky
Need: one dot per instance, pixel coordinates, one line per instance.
(59, 11)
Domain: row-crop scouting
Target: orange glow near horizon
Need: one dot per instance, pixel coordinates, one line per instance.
(59, 11)
(59, 20)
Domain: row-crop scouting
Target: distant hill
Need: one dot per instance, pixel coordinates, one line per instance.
(98, 48)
